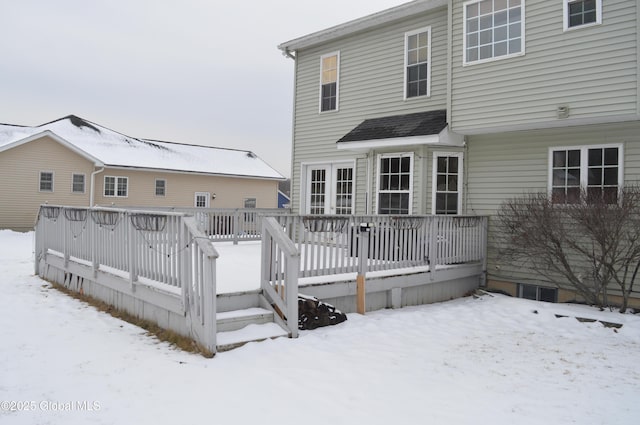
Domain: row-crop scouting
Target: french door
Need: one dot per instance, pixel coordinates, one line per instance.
(330, 189)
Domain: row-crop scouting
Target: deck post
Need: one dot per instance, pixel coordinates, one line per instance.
(363, 255)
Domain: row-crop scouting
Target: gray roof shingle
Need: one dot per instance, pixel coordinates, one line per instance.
(408, 125)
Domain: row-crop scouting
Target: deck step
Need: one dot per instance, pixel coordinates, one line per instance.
(238, 319)
(250, 333)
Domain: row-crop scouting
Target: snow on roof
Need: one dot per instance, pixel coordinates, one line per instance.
(118, 150)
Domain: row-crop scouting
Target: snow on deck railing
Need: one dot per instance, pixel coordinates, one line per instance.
(158, 249)
(328, 245)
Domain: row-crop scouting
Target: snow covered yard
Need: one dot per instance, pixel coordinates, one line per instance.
(486, 360)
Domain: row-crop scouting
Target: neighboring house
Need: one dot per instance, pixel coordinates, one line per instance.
(452, 107)
(72, 161)
(283, 200)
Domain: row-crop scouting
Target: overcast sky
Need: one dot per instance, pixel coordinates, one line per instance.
(191, 71)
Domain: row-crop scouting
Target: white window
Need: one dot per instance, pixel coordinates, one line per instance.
(581, 13)
(46, 181)
(77, 183)
(116, 186)
(250, 202)
(395, 183)
(329, 75)
(447, 183)
(493, 29)
(594, 169)
(417, 62)
(161, 187)
(202, 199)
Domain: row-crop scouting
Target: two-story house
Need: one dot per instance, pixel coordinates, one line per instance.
(453, 107)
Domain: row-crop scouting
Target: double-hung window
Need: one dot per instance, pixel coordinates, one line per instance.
(493, 29)
(595, 170)
(329, 75)
(116, 186)
(447, 183)
(417, 62)
(77, 183)
(581, 13)
(395, 183)
(161, 187)
(46, 181)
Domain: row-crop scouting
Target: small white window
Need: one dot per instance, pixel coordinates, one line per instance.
(249, 202)
(417, 62)
(329, 76)
(594, 169)
(116, 186)
(77, 183)
(395, 183)
(46, 181)
(161, 187)
(581, 13)
(493, 29)
(202, 199)
(447, 183)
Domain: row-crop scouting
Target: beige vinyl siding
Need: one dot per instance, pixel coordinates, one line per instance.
(20, 167)
(593, 70)
(180, 189)
(507, 165)
(371, 85)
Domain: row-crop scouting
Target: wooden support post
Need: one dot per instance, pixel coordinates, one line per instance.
(363, 257)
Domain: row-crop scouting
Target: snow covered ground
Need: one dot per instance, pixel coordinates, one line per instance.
(490, 360)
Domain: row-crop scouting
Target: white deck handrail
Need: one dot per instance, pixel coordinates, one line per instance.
(158, 249)
(279, 273)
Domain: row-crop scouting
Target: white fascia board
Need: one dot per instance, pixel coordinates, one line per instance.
(52, 135)
(444, 138)
(196, 173)
(361, 24)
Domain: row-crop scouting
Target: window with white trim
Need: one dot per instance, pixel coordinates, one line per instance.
(161, 187)
(594, 169)
(447, 183)
(77, 183)
(395, 183)
(417, 62)
(493, 29)
(581, 13)
(116, 186)
(329, 75)
(46, 181)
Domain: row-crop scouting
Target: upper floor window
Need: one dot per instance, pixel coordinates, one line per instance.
(329, 74)
(77, 183)
(161, 187)
(116, 186)
(46, 181)
(395, 183)
(581, 13)
(493, 29)
(594, 169)
(418, 63)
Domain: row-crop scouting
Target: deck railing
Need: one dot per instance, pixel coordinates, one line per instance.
(279, 273)
(329, 244)
(229, 224)
(162, 250)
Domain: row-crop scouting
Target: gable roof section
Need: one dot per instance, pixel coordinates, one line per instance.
(109, 148)
(362, 24)
(400, 130)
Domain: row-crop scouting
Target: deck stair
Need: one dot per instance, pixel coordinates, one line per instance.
(238, 327)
